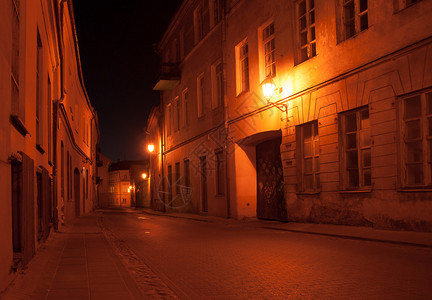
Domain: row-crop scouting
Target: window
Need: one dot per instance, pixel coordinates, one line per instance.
(401, 4)
(200, 95)
(15, 57)
(417, 139)
(308, 160)
(62, 169)
(354, 16)
(216, 10)
(198, 25)
(170, 183)
(268, 50)
(217, 85)
(242, 63)
(187, 173)
(177, 177)
(168, 119)
(39, 88)
(220, 175)
(176, 116)
(306, 29)
(185, 107)
(357, 149)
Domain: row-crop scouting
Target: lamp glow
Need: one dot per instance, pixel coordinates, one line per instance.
(144, 175)
(150, 147)
(268, 88)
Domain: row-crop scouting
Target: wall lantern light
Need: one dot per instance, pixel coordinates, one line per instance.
(150, 148)
(269, 91)
(144, 175)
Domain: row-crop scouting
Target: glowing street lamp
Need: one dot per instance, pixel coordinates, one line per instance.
(150, 148)
(269, 88)
(144, 175)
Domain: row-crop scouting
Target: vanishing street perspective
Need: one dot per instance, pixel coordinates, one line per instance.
(215, 149)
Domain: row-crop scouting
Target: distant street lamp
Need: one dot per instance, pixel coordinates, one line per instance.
(144, 175)
(269, 91)
(150, 148)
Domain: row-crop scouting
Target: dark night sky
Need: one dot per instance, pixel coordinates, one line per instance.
(116, 40)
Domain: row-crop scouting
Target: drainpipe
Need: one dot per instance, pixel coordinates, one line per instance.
(59, 23)
(226, 127)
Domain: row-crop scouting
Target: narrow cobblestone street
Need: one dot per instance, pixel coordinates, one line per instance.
(132, 254)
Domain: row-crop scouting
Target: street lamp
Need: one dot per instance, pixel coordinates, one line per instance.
(150, 148)
(269, 91)
(144, 175)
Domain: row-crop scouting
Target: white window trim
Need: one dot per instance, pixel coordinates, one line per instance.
(261, 54)
(239, 74)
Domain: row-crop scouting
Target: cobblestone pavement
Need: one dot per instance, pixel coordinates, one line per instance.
(240, 260)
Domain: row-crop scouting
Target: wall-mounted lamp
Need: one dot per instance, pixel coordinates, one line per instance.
(150, 148)
(270, 90)
(144, 175)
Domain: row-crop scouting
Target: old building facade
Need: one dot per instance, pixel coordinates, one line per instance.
(48, 129)
(344, 137)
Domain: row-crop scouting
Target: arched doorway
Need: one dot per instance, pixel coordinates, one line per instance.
(77, 192)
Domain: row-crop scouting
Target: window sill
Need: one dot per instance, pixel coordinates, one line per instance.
(40, 149)
(309, 193)
(356, 191)
(18, 124)
(420, 190)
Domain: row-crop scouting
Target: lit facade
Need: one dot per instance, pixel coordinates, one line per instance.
(48, 129)
(346, 137)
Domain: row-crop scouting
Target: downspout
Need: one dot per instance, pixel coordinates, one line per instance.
(59, 24)
(226, 127)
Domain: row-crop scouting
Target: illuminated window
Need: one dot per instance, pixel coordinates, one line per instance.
(306, 29)
(416, 120)
(268, 56)
(357, 149)
(308, 160)
(220, 173)
(242, 66)
(353, 17)
(217, 84)
(200, 95)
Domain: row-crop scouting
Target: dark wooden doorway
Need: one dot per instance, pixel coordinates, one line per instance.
(77, 192)
(204, 200)
(270, 187)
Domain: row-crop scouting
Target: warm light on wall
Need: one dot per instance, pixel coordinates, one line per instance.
(150, 147)
(268, 88)
(144, 175)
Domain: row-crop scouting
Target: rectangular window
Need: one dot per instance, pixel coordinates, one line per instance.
(306, 29)
(169, 119)
(185, 107)
(198, 24)
(354, 16)
(176, 115)
(39, 89)
(357, 149)
(268, 54)
(200, 95)
(401, 4)
(308, 160)
(177, 177)
(242, 63)
(216, 9)
(170, 184)
(220, 173)
(217, 85)
(15, 57)
(416, 120)
(186, 173)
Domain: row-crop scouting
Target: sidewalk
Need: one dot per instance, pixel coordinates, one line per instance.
(406, 238)
(76, 264)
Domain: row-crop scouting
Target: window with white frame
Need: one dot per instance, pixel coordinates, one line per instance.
(200, 95)
(217, 84)
(308, 160)
(306, 29)
(185, 98)
(356, 145)
(416, 121)
(242, 66)
(268, 48)
(354, 17)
